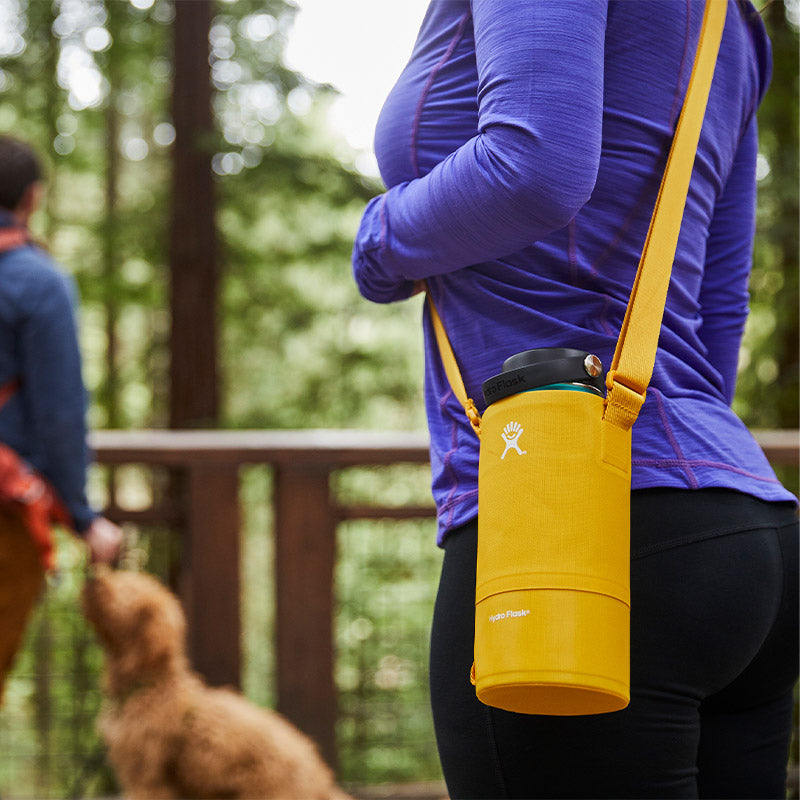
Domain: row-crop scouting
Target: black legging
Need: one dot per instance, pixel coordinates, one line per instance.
(714, 641)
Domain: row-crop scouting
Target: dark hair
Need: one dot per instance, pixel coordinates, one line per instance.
(19, 169)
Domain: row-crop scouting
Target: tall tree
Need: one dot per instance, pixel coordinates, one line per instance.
(194, 393)
(111, 250)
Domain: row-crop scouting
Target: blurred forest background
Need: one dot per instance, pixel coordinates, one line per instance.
(285, 338)
(90, 83)
(214, 273)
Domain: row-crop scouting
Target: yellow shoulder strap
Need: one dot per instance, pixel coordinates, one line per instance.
(451, 368)
(632, 365)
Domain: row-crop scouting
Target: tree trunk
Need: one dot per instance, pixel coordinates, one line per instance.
(194, 393)
(111, 255)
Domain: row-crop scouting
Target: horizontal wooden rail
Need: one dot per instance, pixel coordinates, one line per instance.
(337, 447)
(782, 448)
(207, 514)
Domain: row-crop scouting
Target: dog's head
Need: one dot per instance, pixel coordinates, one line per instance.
(140, 624)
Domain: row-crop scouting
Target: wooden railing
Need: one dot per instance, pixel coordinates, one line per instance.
(306, 515)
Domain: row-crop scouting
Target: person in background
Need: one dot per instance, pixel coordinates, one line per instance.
(523, 147)
(43, 417)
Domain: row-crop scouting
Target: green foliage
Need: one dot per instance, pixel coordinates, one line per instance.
(300, 347)
(767, 391)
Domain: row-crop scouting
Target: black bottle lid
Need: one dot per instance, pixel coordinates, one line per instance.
(543, 366)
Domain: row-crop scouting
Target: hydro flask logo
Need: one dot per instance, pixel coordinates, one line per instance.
(511, 434)
(522, 612)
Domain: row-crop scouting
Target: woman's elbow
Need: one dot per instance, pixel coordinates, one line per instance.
(549, 182)
(550, 200)
(561, 202)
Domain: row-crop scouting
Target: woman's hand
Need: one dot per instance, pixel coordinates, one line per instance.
(104, 540)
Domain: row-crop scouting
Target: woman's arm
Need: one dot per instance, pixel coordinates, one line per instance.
(529, 170)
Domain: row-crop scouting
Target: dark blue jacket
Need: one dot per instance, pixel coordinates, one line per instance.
(44, 421)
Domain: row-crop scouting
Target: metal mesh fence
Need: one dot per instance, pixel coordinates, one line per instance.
(386, 581)
(48, 743)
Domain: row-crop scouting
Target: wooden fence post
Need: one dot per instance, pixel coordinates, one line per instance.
(210, 571)
(305, 546)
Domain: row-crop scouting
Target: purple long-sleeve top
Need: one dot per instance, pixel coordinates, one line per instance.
(523, 146)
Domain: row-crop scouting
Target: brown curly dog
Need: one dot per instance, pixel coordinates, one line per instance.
(168, 734)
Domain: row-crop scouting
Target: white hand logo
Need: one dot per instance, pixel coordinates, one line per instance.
(511, 434)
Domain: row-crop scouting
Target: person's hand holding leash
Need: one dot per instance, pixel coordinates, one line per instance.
(104, 540)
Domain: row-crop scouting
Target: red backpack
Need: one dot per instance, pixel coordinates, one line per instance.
(22, 489)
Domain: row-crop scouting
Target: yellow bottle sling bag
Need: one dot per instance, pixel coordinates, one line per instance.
(552, 596)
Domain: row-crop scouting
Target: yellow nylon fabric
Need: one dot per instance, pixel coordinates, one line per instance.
(552, 593)
(636, 347)
(451, 369)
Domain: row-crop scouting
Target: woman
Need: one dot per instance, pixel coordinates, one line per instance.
(523, 146)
